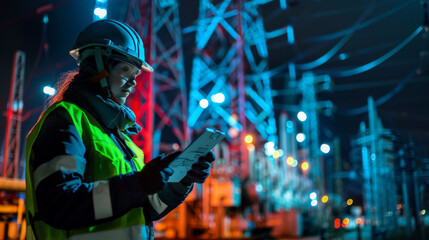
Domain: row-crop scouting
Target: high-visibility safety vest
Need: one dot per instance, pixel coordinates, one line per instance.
(105, 160)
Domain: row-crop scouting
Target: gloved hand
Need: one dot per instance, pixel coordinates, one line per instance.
(200, 170)
(155, 174)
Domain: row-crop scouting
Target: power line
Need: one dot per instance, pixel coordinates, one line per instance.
(367, 23)
(373, 64)
(383, 99)
(323, 59)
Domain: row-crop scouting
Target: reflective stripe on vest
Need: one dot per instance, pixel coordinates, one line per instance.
(157, 204)
(104, 161)
(65, 163)
(101, 200)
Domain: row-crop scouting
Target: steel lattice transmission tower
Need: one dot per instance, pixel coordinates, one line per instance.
(160, 101)
(231, 58)
(13, 118)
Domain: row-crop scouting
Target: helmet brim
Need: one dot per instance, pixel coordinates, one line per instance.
(146, 67)
(122, 57)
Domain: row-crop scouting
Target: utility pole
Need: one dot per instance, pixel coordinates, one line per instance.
(311, 106)
(378, 173)
(405, 191)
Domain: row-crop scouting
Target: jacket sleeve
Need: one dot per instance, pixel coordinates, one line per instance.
(160, 204)
(64, 200)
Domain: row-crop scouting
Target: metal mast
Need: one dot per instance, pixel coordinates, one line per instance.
(13, 117)
(230, 36)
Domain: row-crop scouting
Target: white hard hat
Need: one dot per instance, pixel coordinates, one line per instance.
(117, 40)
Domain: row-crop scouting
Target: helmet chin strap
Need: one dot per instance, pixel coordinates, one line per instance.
(100, 68)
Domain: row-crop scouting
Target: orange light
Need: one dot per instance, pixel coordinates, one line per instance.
(358, 220)
(289, 160)
(248, 139)
(304, 166)
(349, 202)
(345, 222)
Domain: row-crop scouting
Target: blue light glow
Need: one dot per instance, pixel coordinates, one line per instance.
(294, 163)
(49, 90)
(100, 12)
(325, 148)
(343, 56)
(302, 116)
(269, 145)
(283, 4)
(45, 19)
(204, 103)
(300, 137)
(314, 203)
(218, 98)
(290, 34)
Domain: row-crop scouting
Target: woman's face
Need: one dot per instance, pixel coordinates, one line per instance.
(122, 79)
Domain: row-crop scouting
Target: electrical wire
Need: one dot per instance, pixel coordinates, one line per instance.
(345, 73)
(383, 99)
(373, 64)
(329, 55)
(341, 33)
(323, 59)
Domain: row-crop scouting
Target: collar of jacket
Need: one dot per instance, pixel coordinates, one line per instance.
(113, 115)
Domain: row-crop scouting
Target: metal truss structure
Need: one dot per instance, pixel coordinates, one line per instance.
(380, 190)
(231, 58)
(160, 101)
(13, 118)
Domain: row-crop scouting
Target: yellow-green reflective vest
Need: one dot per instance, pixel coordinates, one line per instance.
(105, 160)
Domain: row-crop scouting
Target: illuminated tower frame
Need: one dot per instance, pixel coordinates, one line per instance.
(13, 118)
(230, 35)
(160, 101)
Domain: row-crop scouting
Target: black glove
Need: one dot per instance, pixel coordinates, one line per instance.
(200, 170)
(155, 174)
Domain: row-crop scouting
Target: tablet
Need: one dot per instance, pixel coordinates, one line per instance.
(200, 147)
